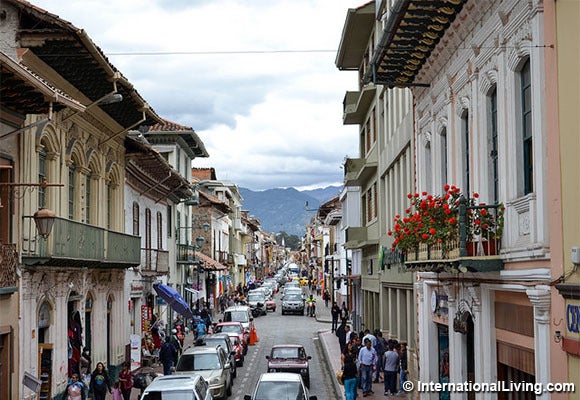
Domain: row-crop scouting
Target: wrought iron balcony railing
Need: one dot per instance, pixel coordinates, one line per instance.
(187, 254)
(476, 247)
(75, 244)
(154, 261)
(8, 265)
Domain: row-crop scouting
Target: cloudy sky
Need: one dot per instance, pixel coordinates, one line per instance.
(255, 78)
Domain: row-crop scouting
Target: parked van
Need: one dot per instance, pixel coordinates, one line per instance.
(239, 314)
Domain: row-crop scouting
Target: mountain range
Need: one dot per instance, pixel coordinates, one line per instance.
(285, 210)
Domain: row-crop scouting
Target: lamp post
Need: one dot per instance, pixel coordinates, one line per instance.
(44, 219)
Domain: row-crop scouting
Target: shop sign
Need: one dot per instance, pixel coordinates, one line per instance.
(136, 290)
(573, 319)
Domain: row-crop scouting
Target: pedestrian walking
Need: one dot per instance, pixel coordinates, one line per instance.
(344, 312)
(367, 358)
(100, 383)
(326, 297)
(167, 356)
(335, 312)
(341, 335)
(117, 395)
(391, 365)
(380, 347)
(126, 380)
(403, 366)
(75, 390)
(349, 372)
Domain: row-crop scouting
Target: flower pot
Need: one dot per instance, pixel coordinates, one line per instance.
(483, 248)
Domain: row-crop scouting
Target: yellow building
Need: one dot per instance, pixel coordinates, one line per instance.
(568, 35)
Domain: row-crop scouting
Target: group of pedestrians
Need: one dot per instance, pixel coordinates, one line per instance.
(100, 385)
(365, 355)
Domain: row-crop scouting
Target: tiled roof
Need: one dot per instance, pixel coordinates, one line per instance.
(209, 263)
(168, 126)
(203, 174)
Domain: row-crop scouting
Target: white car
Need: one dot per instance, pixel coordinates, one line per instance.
(280, 386)
(173, 387)
(210, 362)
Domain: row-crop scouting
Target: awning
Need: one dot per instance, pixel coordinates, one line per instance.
(174, 299)
(195, 293)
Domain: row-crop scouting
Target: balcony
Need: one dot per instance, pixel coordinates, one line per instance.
(8, 265)
(359, 237)
(154, 262)
(186, 254)
(356, 105)
(468, 253)
(357, 171)
(74, 244)
(223, 257)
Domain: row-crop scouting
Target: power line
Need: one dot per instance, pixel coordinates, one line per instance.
(171, 53)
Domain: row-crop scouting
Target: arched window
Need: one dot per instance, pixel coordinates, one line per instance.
(526, 124)
(71, 191)
(159, 230)
(466, 156)
(88, 198)
(135, 219)
(41, 177)
(493, 149)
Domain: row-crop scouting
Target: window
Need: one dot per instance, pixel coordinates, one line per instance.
(135, 219)
(71, 191)
(147, 228)
(465, 130)
(493, 173)
(178, 159)
(370, 203)
(159, 230)
(41, 178)
(169, 221)
(88, 199)
(526, 100)
(444, 157)
(109, 194)
(428, 166)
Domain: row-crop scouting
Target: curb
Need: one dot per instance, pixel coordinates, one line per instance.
(335, 385)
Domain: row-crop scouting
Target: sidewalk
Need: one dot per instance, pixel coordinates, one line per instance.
(331, 352)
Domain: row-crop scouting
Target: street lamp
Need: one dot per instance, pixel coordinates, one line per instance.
(44, 219)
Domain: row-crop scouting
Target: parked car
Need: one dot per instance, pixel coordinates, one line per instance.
(239, 314)
(280, 386)
(290, 358)
(238, 348)
(238, 329)
(213, 364)
(186, 387)
(292, 302)
(224, 340)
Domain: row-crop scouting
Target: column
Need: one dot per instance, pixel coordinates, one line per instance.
(457, 364)
(540, 299)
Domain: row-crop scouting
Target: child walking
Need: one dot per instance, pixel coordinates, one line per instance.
(117, 395)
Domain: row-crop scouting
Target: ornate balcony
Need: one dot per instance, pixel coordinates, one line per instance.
(8, 265)
(470, 252)
(74, 244)
(187, 254)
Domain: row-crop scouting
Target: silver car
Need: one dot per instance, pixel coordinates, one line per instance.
(280, 386)
(174, 387)
(213, 364)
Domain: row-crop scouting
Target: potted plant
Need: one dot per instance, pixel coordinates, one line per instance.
(485, 227)
(429, 223)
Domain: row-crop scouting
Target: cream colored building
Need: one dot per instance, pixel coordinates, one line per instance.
(481, 74)
(71, 294)
(384, 172)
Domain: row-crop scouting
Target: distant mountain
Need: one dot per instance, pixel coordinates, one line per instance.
(285, 209)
